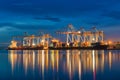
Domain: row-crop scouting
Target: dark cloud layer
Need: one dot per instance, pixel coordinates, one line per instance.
(51, 14)
(54, 19)
(63, 8)
(113, 14)
(26, 26)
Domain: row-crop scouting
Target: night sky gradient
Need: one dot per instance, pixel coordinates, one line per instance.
(18, 16)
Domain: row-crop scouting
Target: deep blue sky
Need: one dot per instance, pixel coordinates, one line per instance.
(17, 16)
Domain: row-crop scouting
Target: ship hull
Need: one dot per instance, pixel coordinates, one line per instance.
(103, 47)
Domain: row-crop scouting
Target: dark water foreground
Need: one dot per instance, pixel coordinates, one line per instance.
(60, 65)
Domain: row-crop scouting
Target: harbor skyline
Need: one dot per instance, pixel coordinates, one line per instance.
(59, 39)
(32, 15)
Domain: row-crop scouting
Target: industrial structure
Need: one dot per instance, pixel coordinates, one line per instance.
(74, 39)
(30, 41)
(82, 37)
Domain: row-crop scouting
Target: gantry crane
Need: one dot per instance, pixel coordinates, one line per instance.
(97, 36)
(70, 33)
(82, 36)
(32, 40)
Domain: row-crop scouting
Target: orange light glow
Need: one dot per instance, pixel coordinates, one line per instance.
(109, 42)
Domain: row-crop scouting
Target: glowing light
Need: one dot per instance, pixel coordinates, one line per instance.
(79, 32)
(13, 44)
(67, 44)
(42, 40)
(33, 44)
(109, 42)
(93, 39)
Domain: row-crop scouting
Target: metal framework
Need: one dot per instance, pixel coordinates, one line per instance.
(82, 36)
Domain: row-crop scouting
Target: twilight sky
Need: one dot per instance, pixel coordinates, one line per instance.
(18, 16)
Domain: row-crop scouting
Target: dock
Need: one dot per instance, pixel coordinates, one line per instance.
(74, 39)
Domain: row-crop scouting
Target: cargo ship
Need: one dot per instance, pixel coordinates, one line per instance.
(98, 47)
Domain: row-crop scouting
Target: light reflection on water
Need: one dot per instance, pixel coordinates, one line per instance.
(69, 64)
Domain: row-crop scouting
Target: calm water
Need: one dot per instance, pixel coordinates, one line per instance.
(60, 65)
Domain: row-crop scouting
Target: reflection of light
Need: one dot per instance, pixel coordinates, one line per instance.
(57, 57)
(52, 59)
(79, 68)
(110, 59)
(69, 63)
(33, 60)
(75, 62)
(28, 60)
(46, 59)
(68, 58)
(13, 58)
(25, 61)
(93, 54)
(102, 64)
(94, 73)
(43, 64)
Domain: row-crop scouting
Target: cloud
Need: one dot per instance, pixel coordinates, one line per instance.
(66, 9)
(26, 26)
(93, 23)
(112, 14)
(8, 28)
(53, 19)
(31, 15)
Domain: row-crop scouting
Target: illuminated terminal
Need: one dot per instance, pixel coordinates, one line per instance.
(73, 39)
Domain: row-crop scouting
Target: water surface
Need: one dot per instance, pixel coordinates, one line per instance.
(60, 65)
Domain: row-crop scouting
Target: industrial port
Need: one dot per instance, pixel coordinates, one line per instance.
(74, 39)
